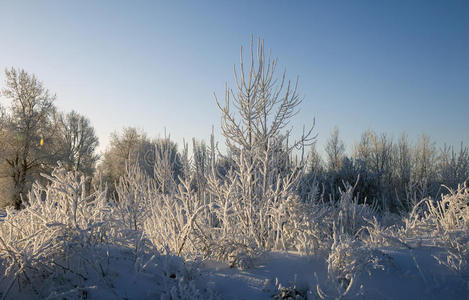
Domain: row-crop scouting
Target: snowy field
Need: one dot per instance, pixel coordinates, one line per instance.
(79, 245)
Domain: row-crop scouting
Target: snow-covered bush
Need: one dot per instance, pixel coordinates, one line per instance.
(452, 212)
(58, 221)
(133, 198)
(172, 222)
(456, 257)
(349, 259)
(69, 242)
(253, 215)
(450, 217)
(350, 215)
(377, 235)
(436, 218)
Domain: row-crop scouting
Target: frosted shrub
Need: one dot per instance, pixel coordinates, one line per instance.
(133, 190)
(254, 216)
(380, 236)
(58, 221)
(456, 257)
(170, 219)
(313, 233)
(345, 260)
(451, 219)
(437, 218)
(350, 214)
(345, 217)
(68, 242)
(172, 224)
(443, 223)
(348, 259)
(452, 212)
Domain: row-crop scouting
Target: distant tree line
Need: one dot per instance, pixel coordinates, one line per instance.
(393, 173)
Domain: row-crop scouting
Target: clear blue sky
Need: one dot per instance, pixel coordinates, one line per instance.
(392, 66)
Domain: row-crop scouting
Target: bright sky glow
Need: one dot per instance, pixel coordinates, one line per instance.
(391, 66)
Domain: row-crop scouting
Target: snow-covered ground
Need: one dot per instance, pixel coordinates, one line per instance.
(405, 274)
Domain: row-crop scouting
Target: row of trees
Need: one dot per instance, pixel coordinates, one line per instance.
(35, 137)
(394, 172)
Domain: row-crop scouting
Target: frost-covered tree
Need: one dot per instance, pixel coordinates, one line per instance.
(28, 132)
(201, 158)
(168, 164)
(125, 148)
(79, 142)
(335, 150)
(403, 161)
(453, 167)
(316, 163)
(158, 159)
(258, 110)
(201, 163)
(375, 151)
(381, 155)
(424, 171)
(259, 190)
(363, 148)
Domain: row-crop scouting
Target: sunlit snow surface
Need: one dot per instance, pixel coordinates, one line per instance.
(408, 274)
(401, 274)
